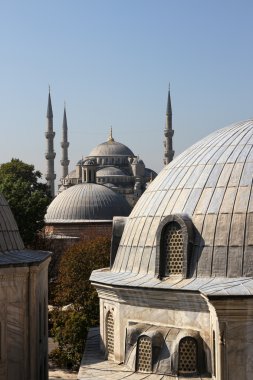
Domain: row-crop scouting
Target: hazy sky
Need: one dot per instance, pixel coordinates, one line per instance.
(111, 61)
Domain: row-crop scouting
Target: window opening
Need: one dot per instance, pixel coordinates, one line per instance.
(110, 333)
(173, 249)
(144, 354)
(188, 363)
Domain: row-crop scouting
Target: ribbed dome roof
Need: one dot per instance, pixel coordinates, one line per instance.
(109, 171)
(86, 202)
(111, 148)
(9, 235)
(211, 182)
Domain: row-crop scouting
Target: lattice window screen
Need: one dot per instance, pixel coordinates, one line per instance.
(173, 246)
(144, 355)
(110, 333)
(188, 362)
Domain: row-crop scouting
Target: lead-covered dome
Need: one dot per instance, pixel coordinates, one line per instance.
(210, 187)
(111, 148)
(86, 202)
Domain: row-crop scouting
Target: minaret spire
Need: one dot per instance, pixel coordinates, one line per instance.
(50, 154)
(64, 145)
(168, 133)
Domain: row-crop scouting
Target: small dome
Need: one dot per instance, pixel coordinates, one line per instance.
(10, 238)
(89, 162)
(72, 174)
(86, 202)
(110, 171)
(212, 184)
(111, 148)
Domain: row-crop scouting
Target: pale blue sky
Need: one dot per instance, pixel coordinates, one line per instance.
(111, 61)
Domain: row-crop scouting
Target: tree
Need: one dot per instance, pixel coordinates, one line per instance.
(73, 287)
(27, 197)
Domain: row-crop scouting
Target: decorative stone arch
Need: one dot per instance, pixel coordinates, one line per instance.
(178, 229)
(189, 357)
(109, 333)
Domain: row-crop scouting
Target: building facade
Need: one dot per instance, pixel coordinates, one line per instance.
(177, 299)
(23, 305)
(116, 165)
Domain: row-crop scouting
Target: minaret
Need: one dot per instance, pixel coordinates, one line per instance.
(168, 134)
(64, 145)
(50, 154)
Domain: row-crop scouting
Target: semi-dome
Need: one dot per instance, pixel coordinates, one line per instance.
(209, 189)
(86, 202)
(110, 171)
(111, 148)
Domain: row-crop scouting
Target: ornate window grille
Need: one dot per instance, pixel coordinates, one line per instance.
(188, 356)
(110, 333)
(144, 354)
(173, 249)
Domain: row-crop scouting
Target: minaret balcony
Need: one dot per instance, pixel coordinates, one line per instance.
(64, 144)
(50, 156)
(50, 177)
(49, 134)
(65, 162)
(168, 132)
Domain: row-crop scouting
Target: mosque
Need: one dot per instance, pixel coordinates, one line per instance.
(106, 183)
(114, 164)
(177, 300)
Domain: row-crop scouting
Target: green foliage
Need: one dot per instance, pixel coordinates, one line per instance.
(69, 329)
(73, 287)
(27, 197)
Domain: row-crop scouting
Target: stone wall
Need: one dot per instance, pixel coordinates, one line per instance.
(23, 322)
(82, 230)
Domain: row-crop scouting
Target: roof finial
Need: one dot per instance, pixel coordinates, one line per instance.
(110, 138)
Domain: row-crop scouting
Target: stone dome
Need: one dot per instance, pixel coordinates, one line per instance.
(111, 148)
(209, 187)
(86, 202)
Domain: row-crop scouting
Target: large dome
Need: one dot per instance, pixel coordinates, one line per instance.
(210, 185)
(86, 202)
(111, 148)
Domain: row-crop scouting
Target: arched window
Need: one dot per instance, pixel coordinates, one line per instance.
(110, 334)
(144, 354)
(188, 356)
(172, 251)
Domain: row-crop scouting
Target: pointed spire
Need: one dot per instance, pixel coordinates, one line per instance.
(50, 154)
(168, 133)
(64, 145)
(49, 106)
(169, 108)
(64, 123)
(110, 138)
